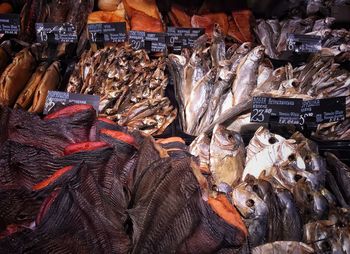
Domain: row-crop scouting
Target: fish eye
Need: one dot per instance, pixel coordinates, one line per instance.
(272, 140)
(309, 197)
(250, 202)
(230, 136)
(297, 178)
(292, 157)
(326, 246)
(307, 158)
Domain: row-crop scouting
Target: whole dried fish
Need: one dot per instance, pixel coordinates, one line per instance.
(49, 81)
(247, 73)
(15, 77)
(26, 97)
(226, 156)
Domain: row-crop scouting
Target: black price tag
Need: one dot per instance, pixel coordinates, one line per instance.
(107, 32)
(276, 110)
(56, 32)
(137, 39)
(179, 38)
(302, 43)
(54, 97)
(155, 42)
(9, 24)
(323, 110)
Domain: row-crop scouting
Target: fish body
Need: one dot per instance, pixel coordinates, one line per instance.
(16, 76)
(50, 81)
(254, 211)
(200, 147)
(261, 139)
(199, 100)
(226, 156)
(26, 97)
(276, 154)
(247, 72)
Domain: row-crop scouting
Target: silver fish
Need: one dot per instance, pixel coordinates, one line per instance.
(247, 73)
(262, 138)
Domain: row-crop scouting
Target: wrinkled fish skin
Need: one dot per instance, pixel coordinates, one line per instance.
(200, 147)
(247, 72)
(26, 97)
(15, 77)
(226, 156)
(50, 81)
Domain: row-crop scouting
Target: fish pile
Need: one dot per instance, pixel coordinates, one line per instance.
(210, 80)
(130, 84)
(321, 77)
(57, 11)
(26, 79)
(273, 34)
(71, 182)
(288, 195)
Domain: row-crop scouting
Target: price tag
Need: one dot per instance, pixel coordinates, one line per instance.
(303, 43)
(107, 32)
(137, 39)
(323, 110)
(54, 97)
(56, 32)
(9, 24)
(276, 110)
(155, 42)
(179, 38)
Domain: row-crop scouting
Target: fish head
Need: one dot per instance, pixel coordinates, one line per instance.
(248, 203)
(288, 152)
(226, 139)
(257, 53)
(279, 73)
(177, 60)
(244, 48)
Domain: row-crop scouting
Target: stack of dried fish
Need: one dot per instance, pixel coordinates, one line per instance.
(67, 188)
(130, 84)
(283, 188)
(321, 77)
(210, 80)
(273, 34)
(26, 80)
(57, 11)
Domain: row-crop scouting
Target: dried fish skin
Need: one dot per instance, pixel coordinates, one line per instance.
(26, 97)
(201, 147)
(50, 81)
(15, 77)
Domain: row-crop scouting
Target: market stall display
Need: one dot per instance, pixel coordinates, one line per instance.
(143, 126)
